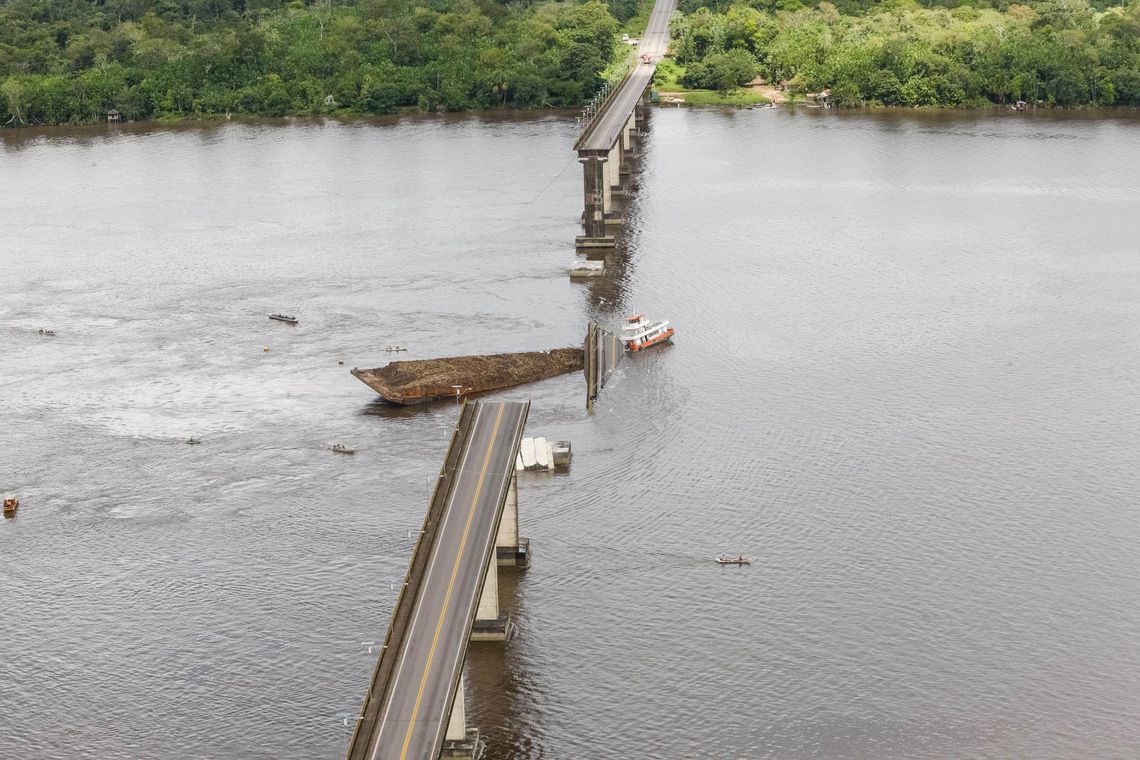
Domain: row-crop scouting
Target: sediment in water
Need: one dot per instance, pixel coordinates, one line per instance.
(418, 381)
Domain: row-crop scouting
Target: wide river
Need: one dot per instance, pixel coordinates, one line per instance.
(906, 381)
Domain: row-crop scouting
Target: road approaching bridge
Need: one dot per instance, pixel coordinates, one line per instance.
(605, 145)
(418, 675)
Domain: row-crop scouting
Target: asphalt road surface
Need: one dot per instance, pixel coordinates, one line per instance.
(413, 717)
(603, 133)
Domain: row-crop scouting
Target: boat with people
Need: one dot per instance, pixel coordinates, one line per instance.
(193, 441)
(10, 507)
(340, 448)
(391, 349)
(46, 332)
(739, 559)
(284, 318)
(639, 333)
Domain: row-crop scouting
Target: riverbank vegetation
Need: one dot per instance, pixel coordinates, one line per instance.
(722, 88)
(73, 62)
(953, 53)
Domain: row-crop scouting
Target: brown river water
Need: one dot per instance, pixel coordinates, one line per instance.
(906, 381)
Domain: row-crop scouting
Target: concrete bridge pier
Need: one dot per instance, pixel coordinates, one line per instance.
(613, 179)
(627, 143)
(597, 198)
(491, 623)
(510, 549)
(460, 742)
(641, 113)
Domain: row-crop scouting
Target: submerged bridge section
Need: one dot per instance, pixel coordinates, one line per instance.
(606, 144)
(414, 708)
(603, 354)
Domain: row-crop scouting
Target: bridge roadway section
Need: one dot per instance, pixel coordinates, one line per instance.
(406, 712)
(605, 145)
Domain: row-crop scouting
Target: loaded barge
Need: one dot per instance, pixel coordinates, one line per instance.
(419, 381)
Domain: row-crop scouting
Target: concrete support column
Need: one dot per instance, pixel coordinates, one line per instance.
(608, 184)
(512, 551)
(491, 624)
(621, 160)
(596, 199)
(457, 723)
(489, 598)
(460, 742)
(613, 183)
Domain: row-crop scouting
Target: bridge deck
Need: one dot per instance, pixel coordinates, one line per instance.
(604, 130)
(408, 717)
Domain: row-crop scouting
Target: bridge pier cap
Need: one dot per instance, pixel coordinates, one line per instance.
(603, 154)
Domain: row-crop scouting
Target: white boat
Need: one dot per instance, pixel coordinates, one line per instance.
(340, 448)
(739, 559)
(193, 441)
(639, 333)
(284, 318)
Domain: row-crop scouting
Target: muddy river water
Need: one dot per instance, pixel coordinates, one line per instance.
(906, 381)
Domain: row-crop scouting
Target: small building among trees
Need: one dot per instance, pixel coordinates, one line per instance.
(114, 116)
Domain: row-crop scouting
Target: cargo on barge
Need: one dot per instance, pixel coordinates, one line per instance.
(419, 381)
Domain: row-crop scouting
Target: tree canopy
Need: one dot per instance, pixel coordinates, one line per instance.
(896, 52)
(74, 60)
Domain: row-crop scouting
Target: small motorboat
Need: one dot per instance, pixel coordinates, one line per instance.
(284, 318)
(10, 507)
(639, 333)
(739, 559)
(193, 441)
(340, 448)
(47, 332)
(390, 349)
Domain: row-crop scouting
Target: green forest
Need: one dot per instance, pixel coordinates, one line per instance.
(67, 61)
(72, 61)
(900, 53)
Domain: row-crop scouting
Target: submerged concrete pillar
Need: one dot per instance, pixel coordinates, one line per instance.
(491, 623)
(510, 549)
(596, 197)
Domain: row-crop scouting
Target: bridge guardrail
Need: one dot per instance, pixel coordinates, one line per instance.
(485, 562)
(405, 601)
(631, 64)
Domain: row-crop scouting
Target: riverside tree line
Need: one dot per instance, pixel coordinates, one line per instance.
(1058, 52)
(72, 61)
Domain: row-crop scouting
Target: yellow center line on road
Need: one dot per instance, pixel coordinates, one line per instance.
(451, 584)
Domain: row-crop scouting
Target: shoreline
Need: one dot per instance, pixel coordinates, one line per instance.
(520, 114)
